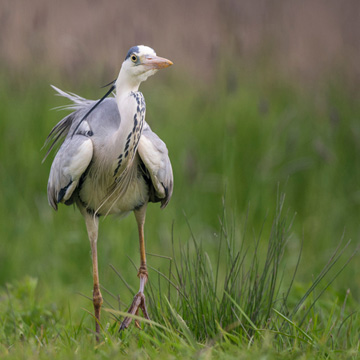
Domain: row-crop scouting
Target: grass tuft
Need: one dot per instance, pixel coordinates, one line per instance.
(203, 304)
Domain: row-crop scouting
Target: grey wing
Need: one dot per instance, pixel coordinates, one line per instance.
(105, 119)
(59, 132)
(75, 154)
(154, 154)
(70, 162)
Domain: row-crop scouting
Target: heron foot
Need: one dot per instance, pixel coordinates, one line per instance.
(138, 303)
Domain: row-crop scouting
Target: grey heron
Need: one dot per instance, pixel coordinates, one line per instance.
(111, 162)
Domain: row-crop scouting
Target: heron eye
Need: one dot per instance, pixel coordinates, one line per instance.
(133, 58)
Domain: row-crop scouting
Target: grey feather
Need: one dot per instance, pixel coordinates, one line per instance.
(161, 176)
(99, 128)
(70, 162)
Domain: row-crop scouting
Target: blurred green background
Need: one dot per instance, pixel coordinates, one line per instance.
(263, 97)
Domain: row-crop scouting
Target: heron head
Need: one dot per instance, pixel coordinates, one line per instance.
(141, 62)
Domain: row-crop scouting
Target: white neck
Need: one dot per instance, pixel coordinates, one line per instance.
(129, 80)
(125, 84)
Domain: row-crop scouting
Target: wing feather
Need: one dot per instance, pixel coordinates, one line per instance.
(70, 163)
(154, 154)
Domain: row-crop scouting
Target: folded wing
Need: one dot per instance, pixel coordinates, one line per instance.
(70, 163)
(154, 154)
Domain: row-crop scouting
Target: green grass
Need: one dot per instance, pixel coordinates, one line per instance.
(247, 262)
(198, 310)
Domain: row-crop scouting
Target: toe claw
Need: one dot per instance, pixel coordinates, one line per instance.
(137, 324)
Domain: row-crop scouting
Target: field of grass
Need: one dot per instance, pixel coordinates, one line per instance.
(251, 259)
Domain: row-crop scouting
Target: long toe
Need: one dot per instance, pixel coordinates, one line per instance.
(138, 303)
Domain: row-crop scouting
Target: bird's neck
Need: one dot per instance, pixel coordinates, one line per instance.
(125, 84)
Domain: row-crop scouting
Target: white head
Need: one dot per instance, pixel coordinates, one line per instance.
(140, 63)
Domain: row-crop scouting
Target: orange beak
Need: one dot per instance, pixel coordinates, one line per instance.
(157, 62)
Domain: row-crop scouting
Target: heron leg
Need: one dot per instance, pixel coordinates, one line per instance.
(92, 226)
(139, 299)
